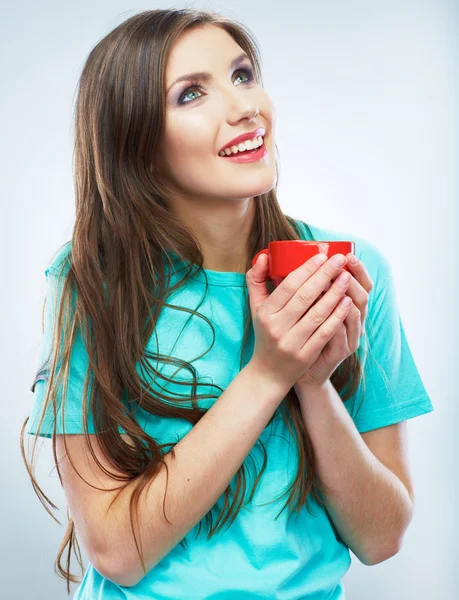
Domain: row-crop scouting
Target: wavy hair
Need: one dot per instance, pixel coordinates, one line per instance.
(122, 218)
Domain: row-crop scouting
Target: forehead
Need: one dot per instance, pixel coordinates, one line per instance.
(206, 47)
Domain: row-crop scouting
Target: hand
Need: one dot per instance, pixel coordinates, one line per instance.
(292, 325)
(359, 289)
(347, 338)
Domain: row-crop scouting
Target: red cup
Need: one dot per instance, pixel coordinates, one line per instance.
(284, 256)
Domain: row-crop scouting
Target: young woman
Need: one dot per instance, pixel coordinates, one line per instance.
(224, 439)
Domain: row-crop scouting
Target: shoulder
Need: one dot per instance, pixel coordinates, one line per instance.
(60, 263)
(372, 257)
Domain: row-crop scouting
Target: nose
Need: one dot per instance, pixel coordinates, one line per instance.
(245, 106)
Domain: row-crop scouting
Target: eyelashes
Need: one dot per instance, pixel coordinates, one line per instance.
(195, 85)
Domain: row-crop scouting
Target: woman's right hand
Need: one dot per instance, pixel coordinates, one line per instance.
(295, 321)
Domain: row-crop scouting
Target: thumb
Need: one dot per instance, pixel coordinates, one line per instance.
(256, 283)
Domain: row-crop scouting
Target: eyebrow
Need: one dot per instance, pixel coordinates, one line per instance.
(204, 76)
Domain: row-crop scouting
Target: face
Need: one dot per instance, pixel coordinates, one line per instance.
(200, 121)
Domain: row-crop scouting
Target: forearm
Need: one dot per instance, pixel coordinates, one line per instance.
(368, 504)
(206, 460)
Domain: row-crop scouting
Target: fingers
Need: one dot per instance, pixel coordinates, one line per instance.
(289, 286)
(308, 293)
(325, 315)
(361, 273)
(256, 283)
(312, 345)
(353, 328)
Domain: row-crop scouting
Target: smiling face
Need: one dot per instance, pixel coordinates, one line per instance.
(199, 121)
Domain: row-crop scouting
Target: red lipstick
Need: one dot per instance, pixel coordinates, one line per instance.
(243, 137)
(248, 156)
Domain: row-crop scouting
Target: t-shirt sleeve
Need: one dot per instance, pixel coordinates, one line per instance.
(392, 389)
(69, 412)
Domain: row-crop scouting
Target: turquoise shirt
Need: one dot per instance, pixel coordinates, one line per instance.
(257, 557)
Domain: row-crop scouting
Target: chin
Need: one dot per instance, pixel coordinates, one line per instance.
(254, 185)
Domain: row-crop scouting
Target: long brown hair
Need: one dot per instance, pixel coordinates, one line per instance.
(122, 218)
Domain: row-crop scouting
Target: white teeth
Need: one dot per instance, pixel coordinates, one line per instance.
(247, 145)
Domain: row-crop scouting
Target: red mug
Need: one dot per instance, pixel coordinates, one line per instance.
(284, 256)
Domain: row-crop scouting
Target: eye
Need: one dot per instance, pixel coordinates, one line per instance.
(195, 85)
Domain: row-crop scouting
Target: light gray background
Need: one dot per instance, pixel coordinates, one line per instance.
(366, 96)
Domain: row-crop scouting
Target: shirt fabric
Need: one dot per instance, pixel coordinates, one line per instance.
(291, 558)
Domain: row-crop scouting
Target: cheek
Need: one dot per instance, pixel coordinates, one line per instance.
(267, 108)
(190, 133)
(186, 153)
(196, 123)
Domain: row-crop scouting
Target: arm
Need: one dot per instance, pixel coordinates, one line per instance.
(369, 505)
(206, 460)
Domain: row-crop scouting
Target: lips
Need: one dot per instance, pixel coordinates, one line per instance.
(243, 137)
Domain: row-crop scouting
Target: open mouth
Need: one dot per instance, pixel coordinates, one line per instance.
(244, 148)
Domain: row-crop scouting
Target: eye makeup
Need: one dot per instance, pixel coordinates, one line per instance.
(196, 85)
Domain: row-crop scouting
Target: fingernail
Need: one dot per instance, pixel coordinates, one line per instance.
(338, 260)
(319, 259)
(352, 259)
(343, 278)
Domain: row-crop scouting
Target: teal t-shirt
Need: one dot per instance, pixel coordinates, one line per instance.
(257, 557)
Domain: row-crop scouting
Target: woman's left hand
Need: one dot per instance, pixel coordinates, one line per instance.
(347, 338)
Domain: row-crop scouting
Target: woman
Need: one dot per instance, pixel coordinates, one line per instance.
(267, 483)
